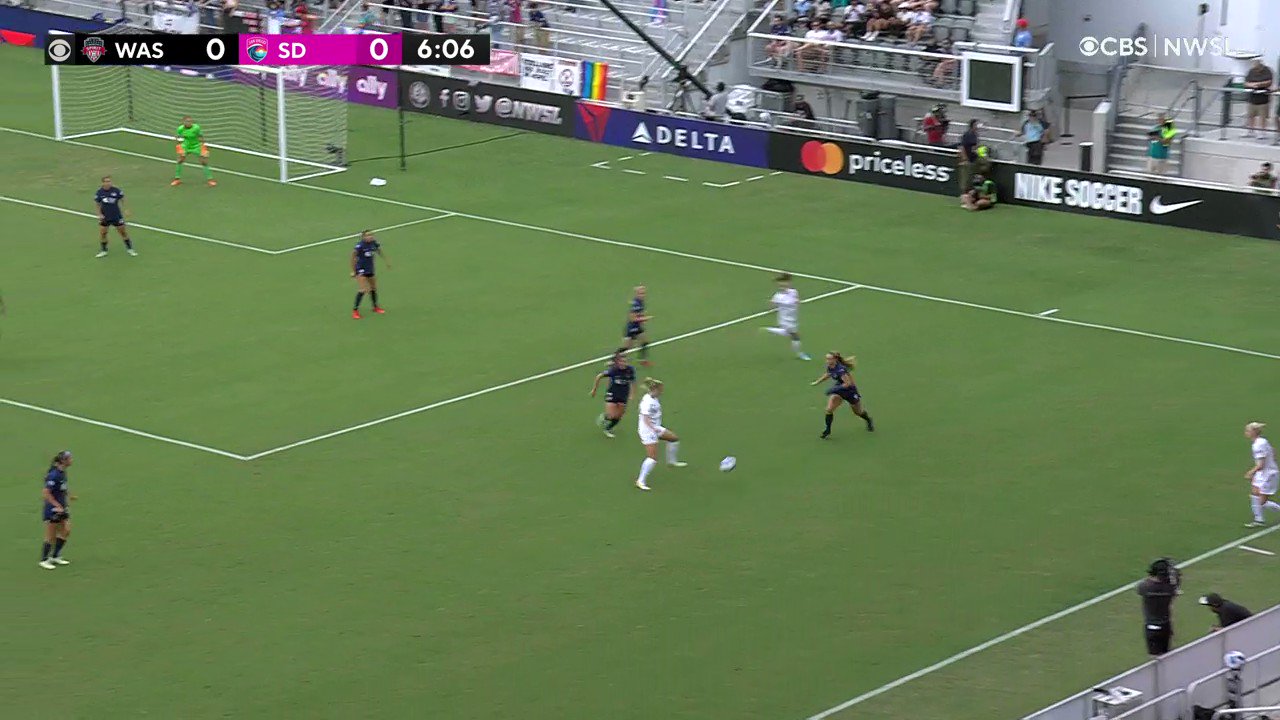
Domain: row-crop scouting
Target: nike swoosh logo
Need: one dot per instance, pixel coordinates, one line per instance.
(1159, 208)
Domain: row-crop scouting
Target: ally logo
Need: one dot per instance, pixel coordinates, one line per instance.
(257, 48)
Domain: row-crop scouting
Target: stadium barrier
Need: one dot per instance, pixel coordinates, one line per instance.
(687, 137)
(21, 26)
(503, 105)
(1181, 675)
(900, 165)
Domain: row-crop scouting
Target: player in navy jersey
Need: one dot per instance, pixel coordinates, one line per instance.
(362, 271)
(635, 326)
(622, 386)
(839, 370)
(110, 202)
(57, 516)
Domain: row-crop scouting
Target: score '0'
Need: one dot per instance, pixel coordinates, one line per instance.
(215, 49)
(378, 49)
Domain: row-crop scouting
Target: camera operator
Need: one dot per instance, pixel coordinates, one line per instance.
(1158, 591)
(935, 124)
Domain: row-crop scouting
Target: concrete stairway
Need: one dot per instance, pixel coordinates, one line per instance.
(987, 26)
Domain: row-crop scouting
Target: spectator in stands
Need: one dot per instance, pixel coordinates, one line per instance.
(802, 8)
(812, 54)
(1033, 130)
(516, 18)
(920, 26)
(1161, 137)
(306, 18)
(934, 125)
(822, 11)
(717, 105)
(1263, 178)
(1258, 81)
(1022, 38)
(982, 196)
(541, 28)
(448, 20)
(805, 111)
(1228, 613)
(855, 19)
(778, 50)
(878, 18)
(367, 18)
(406, 13)
(946, 72)
(967, 155)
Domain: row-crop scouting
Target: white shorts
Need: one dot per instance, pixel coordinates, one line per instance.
(649, 437)
(1267, 484)
(791, 325)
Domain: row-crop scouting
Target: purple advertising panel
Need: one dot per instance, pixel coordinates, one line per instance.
(373, 86)
(689, 137)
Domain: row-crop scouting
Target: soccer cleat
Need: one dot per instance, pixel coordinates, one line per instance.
(804, 356)
(609, 434)
(59, 561)
(213, 183)
(871, 424)
(678, 464)
(639, 483)
(132, 252)
(48, 565)
(1255, 524)
(825, 434)
(355, 315)
(101, 254)
(176, 182)
(379, 310)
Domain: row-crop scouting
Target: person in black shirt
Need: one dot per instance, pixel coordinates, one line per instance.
(1228, 613)
(1158, 591)
(968, 154)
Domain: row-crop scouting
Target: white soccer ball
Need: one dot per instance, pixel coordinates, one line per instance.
(1234, 660)
(728, 464)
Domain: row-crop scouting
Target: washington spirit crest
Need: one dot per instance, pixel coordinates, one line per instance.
(94, 48)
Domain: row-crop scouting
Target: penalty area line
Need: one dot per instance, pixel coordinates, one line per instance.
(121, 428)
(947, 662)
(527, 379)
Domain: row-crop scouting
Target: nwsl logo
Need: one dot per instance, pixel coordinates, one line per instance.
(257, 49)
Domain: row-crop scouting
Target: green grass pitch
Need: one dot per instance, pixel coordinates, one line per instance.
(487, 556)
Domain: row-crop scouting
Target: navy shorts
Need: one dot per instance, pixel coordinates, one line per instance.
(618, 397)
(51, 514)
(111, 222)
(364, 272)
(634, 330)
(849, 395)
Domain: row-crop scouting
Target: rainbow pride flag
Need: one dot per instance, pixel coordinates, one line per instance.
(595, 77)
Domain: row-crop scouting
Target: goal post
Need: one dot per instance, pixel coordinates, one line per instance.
(296, 117)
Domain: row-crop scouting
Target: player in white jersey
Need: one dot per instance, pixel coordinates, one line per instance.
(651, 431)
(787, 302)
(1264, 474)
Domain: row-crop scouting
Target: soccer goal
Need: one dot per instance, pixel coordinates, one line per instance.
(295, 116)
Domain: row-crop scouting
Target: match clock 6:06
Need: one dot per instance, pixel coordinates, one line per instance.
(447, 49)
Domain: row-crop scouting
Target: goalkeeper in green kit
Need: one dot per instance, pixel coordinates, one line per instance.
(191, 140)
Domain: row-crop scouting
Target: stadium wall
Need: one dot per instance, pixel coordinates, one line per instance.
(19, 26)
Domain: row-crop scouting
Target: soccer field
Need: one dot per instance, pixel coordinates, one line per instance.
(287, 513)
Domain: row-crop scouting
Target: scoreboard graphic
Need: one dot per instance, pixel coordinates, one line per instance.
(267, 50)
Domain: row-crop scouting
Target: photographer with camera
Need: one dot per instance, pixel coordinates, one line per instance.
(1162, 584)
(934, 125)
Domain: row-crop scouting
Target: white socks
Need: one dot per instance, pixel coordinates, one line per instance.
(1255, 503)
(795, 347)
(673, 449)
(777, 331)
(1271, 505)
(647, 467)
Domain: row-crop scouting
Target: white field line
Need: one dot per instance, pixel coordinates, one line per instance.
(634, 172)
(1259, 551)
(721, 185)
(152, 228)
(603, 165)
(528, 379)
(694, 256)
(352, 236)
(1126, 588)
(121, 428)
(1047, 313)
(675, 177)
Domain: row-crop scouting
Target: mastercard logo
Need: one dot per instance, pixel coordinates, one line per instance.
(822, 157)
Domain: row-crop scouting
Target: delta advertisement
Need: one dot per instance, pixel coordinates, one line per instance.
(503, 105)
(649, 132)
(1161, 203)
(896, 166)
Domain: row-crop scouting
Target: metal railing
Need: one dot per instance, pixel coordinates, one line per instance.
(1012, 9)
(1241, 711)
(1168, 706)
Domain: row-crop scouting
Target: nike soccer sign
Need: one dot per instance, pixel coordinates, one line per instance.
(1091, 195)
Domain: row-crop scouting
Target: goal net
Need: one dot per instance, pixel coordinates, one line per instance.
(294, 116)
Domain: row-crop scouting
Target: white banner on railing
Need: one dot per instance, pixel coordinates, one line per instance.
(176, 22)
(568, 80)
(537, 72)
(435, 70)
